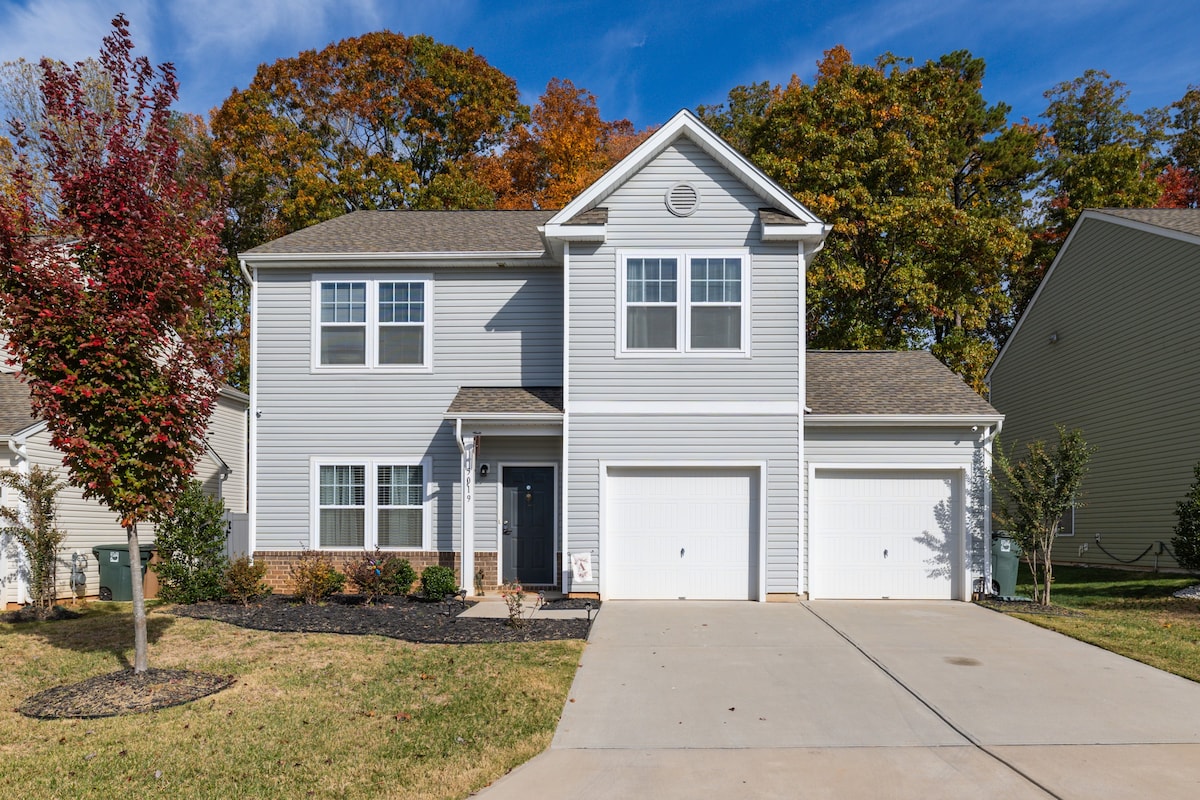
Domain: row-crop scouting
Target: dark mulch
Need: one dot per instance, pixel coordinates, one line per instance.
(1027, 607)
(123, 692)
(32, 614)
(409, 619)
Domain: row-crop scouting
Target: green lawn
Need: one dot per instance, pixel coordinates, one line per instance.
(311, 715)
(1131, 613)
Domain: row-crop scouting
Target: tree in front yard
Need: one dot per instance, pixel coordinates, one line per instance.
(35, 528)
(1186, 542)
(103, 299)
(1033, 494)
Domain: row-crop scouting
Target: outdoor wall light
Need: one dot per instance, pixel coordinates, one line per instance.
(483, 470)
(1053, 338)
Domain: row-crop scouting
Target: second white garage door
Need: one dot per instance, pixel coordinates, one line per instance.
(884, 533)
(681, 533)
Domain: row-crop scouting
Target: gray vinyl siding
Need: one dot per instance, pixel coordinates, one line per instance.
(657, 440)
(497, 450)
(227, 436)
(954, 448)
(491, 327)
(726, 218)
(1126, 370)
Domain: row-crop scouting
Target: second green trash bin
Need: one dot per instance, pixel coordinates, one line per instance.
(112, 561)
(1006, 555)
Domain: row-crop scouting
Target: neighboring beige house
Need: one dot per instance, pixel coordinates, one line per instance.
(1110, 344)
(222, 470)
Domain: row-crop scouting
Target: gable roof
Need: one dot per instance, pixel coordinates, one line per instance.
(888, 383)
(475, 401)
(495, 234)
(801, 223)
(1182, 224)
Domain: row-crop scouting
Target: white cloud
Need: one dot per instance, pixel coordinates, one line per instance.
(67, 30)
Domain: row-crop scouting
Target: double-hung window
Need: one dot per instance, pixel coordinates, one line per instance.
(684, 302)
(369, 504)
(372, 323)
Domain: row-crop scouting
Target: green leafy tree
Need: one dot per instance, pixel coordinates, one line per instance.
(35, 529)
(1180, 180)
(378, 121)
(105, 305)
(922, 181)
(1186, 542)
(1033, 494)
(191, 548)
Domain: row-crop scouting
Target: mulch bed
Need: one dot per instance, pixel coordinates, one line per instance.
(124, 692)
(33, 614)
(1027, 607)
(409, 619)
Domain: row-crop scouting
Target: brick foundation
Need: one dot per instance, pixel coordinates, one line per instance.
(279, 565)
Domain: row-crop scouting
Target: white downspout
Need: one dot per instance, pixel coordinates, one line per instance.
(988, 438)
(252, 419)
(21, 572)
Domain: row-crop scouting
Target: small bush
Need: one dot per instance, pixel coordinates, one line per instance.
(35, 529)
(314, 577)
(514, 597)
(1186, 541)
(242, 581)
(403, 578)
(378, 574)
(437, 582)
(191, 544)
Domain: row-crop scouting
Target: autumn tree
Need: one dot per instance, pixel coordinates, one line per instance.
(922, 181)
(1180, 179)
(563, 150)
(1034, 493)
(378, 121)
(104, 301)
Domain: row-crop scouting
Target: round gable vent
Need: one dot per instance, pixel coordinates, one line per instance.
(683, 199)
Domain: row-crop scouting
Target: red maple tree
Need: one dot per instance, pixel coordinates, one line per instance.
(104, 304)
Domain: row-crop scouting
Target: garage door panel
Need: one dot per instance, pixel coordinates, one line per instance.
(881, 533)
(681, 532)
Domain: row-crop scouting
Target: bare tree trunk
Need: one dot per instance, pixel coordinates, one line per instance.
(140, 658)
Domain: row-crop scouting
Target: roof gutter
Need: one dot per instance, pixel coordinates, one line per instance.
(925, 420)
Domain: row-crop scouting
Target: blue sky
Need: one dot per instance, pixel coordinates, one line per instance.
(645, 60)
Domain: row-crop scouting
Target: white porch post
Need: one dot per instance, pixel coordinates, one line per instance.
(467, 445)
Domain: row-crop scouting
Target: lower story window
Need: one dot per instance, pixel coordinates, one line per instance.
(372, 504)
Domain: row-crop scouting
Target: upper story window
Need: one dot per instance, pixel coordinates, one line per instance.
(685, 302)
(376, 323)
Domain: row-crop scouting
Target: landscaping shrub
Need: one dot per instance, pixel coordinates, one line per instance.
(191, 546)
(378, 574)
(1186, 542)
(437, 582)
(36, 531)
(243, 581)
(403, 577)
(514, 598)
(314, 577)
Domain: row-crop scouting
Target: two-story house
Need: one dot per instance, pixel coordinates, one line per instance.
(613, 398)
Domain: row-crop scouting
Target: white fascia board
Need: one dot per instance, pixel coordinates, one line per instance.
(809, 232)
(685, 123)
(474, 258)
(913, 420)
(33, 430)
(1146, 227)
(230, 393)
(513, 418)
(575, 233)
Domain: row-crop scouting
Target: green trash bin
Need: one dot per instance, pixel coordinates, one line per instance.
(1006, 555)
(112, 561)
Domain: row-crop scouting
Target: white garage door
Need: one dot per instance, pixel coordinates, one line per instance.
(681, 533)
(884, 533)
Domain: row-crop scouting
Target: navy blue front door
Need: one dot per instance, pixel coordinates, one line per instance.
(528, 525)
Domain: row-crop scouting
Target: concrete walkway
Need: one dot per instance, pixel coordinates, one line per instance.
(846, 699)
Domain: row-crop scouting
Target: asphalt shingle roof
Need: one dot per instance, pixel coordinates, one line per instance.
(773, 216)
(1184, 220)
(593, 216)
(908, 382)
(416, 232)
(15, 412)
(515, 400)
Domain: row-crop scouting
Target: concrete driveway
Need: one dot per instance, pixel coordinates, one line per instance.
(848, 699)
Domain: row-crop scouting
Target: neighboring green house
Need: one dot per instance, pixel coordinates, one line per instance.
(1110, 344)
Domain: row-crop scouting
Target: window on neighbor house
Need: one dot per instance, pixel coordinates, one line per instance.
(707, 316)
(372, 504)
(378, 323)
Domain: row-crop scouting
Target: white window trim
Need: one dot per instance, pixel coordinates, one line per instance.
(683, 303)
(371, 508)
(372, 324)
